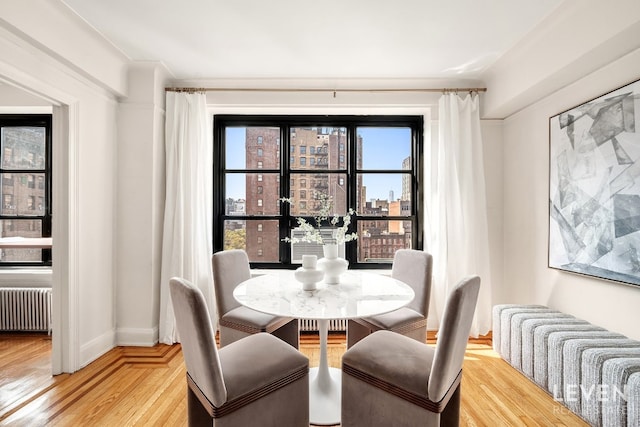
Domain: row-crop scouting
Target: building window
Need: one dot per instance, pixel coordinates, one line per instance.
(25, 168)
(8, 201)
(259, 152)
(259, 140)
(259, 165)
(351, 158)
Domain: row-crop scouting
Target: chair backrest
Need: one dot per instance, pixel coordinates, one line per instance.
(453, 336)
(229, 269)
(414, 268)
(197, 339)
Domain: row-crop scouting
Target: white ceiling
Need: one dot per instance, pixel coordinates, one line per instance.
(304, 39)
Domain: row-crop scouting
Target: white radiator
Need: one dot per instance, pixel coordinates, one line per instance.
(334, 325)
(25, 309)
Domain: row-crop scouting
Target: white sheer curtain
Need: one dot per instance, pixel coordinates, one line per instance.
(458, 236)
(187, 234)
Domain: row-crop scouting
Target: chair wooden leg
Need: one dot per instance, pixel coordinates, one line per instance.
(450, 417)
(355, 332)
(289, 333)
(197, 414)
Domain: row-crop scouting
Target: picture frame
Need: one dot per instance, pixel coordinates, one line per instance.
(594, 187)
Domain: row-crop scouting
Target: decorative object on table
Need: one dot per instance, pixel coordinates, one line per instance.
(316, 232)
(594, 193)
(308, 274)
(332, 265)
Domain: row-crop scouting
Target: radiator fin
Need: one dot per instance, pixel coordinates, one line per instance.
(25, 309)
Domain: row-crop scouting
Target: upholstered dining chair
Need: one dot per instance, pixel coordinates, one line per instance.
(390, 379)
(236, 321)
(255, 380)
(414, 268)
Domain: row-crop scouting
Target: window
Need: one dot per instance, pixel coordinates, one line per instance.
(259, 140)
(350, 158)
(25, 168)
(8, 201)
(259, 152)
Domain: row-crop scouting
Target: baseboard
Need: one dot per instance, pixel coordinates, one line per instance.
(97, 347)
(139, 337)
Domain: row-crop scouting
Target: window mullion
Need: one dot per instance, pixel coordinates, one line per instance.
(285, 188)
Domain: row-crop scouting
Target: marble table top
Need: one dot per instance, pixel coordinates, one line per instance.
(359, 294)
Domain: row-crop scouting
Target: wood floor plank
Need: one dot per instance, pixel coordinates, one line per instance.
(146, 386)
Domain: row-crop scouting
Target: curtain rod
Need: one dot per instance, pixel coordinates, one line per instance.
(334, 91)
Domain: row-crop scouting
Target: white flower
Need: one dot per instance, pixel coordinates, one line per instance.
(312, 233)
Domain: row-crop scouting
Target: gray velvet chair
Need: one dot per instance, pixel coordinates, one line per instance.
(389, 379)
(258, 380)
(236, 321)
(414, 268)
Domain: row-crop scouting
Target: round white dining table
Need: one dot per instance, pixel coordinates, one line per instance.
(359, 294)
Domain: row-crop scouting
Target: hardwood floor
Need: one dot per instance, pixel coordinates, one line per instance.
(140, 386)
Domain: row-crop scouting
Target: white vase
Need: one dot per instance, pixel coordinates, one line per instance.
(308, 274)
(332, 265)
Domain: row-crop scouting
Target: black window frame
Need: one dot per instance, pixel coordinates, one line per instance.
(33, 120)
(288, 221)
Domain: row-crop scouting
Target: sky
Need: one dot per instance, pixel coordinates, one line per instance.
(383, 148)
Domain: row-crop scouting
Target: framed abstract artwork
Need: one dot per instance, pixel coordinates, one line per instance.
(594, 187)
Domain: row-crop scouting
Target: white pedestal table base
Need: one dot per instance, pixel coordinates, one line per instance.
(325, 386)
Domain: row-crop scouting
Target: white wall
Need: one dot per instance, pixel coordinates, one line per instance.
(52, 56)
(493, 145)
(526, 199)
(140, 196)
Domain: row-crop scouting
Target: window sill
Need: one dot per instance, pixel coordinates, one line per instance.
(24, 277)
